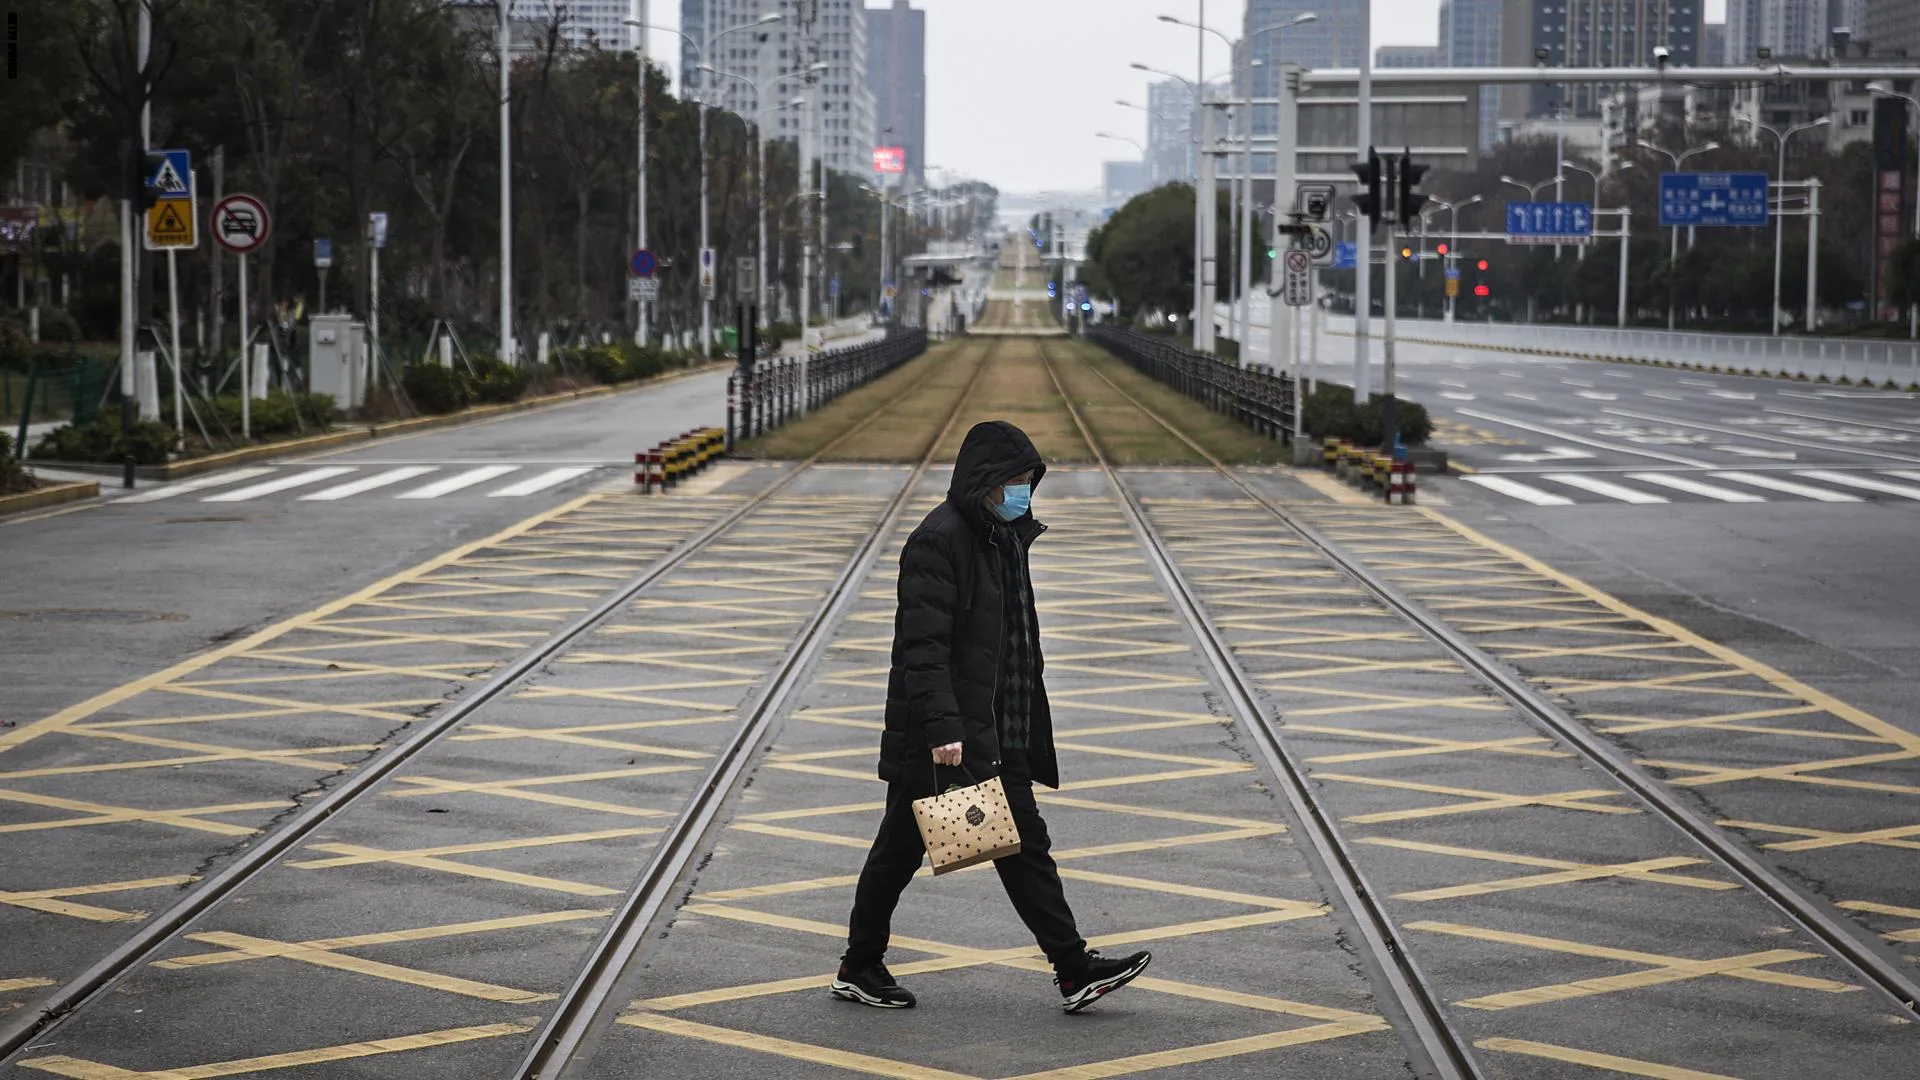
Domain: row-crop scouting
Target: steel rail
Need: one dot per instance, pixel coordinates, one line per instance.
(1813, 915)
(583, 1011)
(267, 849)
(1447, 1054)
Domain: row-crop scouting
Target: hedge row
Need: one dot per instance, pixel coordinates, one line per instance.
(277, 414)
(438, 390)
(1331, 414)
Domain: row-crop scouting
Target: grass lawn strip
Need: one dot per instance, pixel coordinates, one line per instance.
(901, 433)
(804, 437)
(1223, 437)
(1016, 388)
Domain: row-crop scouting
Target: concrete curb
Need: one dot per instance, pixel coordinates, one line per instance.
(179, 470)
(48, 496)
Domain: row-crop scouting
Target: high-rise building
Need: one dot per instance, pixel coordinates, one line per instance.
(1713, 44)
(1333, 40)
(897, 78)
(1892, 27)
(1406, 56)
(1592, 33)
(1122, 180)
(765, 65)
(1470, 37)
(1790, 28)
(1169, 133)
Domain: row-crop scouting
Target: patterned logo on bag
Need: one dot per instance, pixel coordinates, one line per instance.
(975, 816)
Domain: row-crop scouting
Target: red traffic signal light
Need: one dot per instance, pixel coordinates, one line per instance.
(1482, 290)
(1482, 265)
(1443, 249)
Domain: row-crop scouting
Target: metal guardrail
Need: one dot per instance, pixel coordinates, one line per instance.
(1857, 360)
(771, 393)
(1256, 396)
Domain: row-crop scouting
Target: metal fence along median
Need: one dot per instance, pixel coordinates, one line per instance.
(763, 396)
(1256, 396)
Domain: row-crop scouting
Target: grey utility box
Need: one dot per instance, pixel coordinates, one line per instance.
(337, 359)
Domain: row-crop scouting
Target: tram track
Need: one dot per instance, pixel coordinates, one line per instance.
(590, 1003)
(1812, 916)
(270, 849)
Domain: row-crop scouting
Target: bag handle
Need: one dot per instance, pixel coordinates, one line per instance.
(941, 788)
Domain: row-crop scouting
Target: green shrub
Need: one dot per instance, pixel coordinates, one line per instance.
(604, 363)
(497, 383)
(643, 363)
(1331, 414)
(436, 389)
(102, 441)
(277, 414)
(13, 477)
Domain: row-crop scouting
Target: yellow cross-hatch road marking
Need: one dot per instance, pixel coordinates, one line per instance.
(57, 901)
(1595, 1060)
(78, 1069)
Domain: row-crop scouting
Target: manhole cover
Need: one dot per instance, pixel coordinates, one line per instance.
(90, 615)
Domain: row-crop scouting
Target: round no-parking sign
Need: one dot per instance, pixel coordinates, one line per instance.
(240, 224)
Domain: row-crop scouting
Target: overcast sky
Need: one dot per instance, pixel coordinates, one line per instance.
(1016, 88)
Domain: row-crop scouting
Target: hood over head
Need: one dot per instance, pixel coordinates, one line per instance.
(992, 453)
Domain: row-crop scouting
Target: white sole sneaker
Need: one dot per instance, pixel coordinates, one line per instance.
(846, 991)
(1093, 991)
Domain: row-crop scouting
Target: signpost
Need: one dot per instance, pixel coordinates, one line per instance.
(1346, 256)
(1549, 223)
(171, 225)
(322, 261)
(707, 276)
(642, 286)
(1713, 199)
(242, 226)
(377, 236)
(1298, 288)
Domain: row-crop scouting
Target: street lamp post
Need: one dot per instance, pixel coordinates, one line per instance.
(1453, 245)
(760, 157)
(640, 233)
(1673, 232)
(1533, 195)
(1779, 179)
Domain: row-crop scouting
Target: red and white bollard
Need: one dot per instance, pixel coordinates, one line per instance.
(1400, 484)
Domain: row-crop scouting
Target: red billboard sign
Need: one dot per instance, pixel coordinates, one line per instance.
(889, 159)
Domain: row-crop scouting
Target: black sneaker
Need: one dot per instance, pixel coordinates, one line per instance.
(872, 985)
(1099, 978)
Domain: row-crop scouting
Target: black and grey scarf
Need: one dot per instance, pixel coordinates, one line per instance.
(1020, 656)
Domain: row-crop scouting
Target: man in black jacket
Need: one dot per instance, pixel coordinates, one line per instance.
(965, 698)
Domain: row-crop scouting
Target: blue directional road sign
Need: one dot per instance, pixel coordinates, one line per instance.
(1549, 223)
(1711, 199)
(1346, 256)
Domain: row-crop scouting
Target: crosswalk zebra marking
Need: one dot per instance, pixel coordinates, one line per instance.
(370, 483)
(1864, 483)
(284, 483)
(538, 482)
(187, 487)
(1607, 488)
(458, 481)
(1788, 487)
(1517, 490)
(1695, 487)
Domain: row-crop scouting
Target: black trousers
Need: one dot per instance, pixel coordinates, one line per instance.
(1030, 878)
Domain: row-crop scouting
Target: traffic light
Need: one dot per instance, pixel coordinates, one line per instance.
(141, 168)
(1368, 200)
(1406, 254)
(1443, 249)
(1482, 265)
(1407, 200)
(1482, 291)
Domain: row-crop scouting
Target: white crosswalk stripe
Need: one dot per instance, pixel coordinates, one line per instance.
(187, 487)
(1517, 490)
(368, 483)
(1863, 483)
(1695, 487)
(538, 482)
(458, 481)
(1788, 487)
(1607, 488)
(300, 478)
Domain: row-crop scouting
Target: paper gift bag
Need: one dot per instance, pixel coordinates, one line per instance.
(967, 825)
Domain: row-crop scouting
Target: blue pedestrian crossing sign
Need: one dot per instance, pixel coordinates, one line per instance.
(1549, 223)
(1713, 199)
(172, 221)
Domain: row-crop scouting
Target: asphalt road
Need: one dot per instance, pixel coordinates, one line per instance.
(93, 598)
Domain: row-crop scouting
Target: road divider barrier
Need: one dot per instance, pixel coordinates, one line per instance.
(677, 459)
(1389, 475)
(1256, 396)
(763, 396)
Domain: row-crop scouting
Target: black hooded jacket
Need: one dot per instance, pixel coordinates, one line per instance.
(949, 630)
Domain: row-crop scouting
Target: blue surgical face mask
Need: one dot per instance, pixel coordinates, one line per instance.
(1015, 500)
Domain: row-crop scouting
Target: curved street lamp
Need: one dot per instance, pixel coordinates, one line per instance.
(1780, 177)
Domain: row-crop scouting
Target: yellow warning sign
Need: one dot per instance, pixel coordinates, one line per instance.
(1453, 288)
(170, 225)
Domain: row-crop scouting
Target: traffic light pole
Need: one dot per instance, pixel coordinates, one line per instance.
(1389, 406)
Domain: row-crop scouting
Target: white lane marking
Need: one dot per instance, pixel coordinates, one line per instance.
(1904, 474)
(1700, 382)
(1517, 490)
(1605, 487)
(1754, 451)
(1454, 385)
(1901, 427)
(1695, 487)
(1577, 382)
(1804, 444)
(1553, 453)
(1663, 397)
(1453, 396)
(300, 478)
(1731, 395)
(457, 481)
(377, 480)
(1616, 375)
(1520, 397)
(186, 487)
(1596, 395)
(1494, 418)
(1864, 483)
(1512, 375)
(537, 482)
(1774, 483)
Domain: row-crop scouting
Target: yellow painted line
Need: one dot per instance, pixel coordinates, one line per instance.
(358, 965)
(8, 986)
(1331, 487)
(1192, 1055)
(98, 814)
(1304, 909)
(1609, 1062)
(1880, 909)
(1860, 718)
(392, 937)
(60, 1065)
(1816, 839)
(788, 1048)
(56, 902)
(67, 717)
(1478, 800)
(1568, 872)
